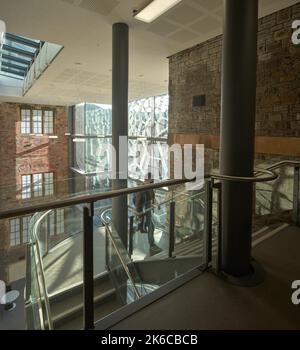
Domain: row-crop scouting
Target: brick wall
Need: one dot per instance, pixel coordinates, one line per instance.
(197, 71)
(23, 155)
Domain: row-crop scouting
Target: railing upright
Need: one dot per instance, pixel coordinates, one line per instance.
(208, 224)
(296, 203)
(172, 230)
(131, 232)
(218, 267)
(88, 267)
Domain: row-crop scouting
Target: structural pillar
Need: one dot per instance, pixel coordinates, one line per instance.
(120, 122)
(238, 132)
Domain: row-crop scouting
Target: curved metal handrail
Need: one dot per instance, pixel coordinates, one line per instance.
(270, 176)
(102, 216)
(282, 163)
(125, 267)
(256, 178)
(35, 241)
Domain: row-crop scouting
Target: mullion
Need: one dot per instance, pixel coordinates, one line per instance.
(22, 41)
(16, 59)
(43, 184)
(10, 71)
(13, 66)
(17, 51)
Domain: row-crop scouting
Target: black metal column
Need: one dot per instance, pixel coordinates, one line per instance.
(238, 132)
(120, 59)
(88, 267)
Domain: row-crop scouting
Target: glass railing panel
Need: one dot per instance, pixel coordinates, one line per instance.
(189, 223)
(38, 288)
(16, 196)
(58, 235)
(150, 224)
(274, 200)
(35, 314)
(123, 272)
(177, 250)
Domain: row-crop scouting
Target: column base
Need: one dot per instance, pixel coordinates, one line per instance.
(255, 278)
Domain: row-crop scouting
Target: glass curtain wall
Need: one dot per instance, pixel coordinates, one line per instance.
(147, 141)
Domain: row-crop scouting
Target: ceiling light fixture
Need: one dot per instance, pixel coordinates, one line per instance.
(155, 9)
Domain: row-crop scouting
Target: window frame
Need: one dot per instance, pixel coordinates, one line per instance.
(56, 222)
(33, 189)
(44, 112)
(20, 223)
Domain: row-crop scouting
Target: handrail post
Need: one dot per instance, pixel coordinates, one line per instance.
(218, 267)
(106, 249)
(296, 196)
(28, 280)
(131, 231)
(207, 224)
(172, 229)
(47, 234)
(88, 267)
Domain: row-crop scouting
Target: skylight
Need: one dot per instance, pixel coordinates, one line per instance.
(16, 55)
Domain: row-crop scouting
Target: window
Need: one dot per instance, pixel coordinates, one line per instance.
(37, 122)
(48, 184)
(26, 186)
(56, 222)
(25, 121)
(37, 185)
(15, 237)
(48, 122)
(25, 228)
(19, 231)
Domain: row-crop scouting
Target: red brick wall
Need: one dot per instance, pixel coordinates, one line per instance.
(23, 155)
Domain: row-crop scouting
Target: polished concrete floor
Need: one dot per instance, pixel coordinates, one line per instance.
(208, 302)
(14, 319)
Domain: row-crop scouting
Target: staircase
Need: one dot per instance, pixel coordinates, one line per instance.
(67, 306)
(194, 247)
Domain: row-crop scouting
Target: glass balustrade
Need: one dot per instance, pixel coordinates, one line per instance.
(168, 231)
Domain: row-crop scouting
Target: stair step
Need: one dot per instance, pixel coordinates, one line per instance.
(268, 234)
(195, 247)
(67, 306)
(76, 311)
(77, 288)
(75, 322)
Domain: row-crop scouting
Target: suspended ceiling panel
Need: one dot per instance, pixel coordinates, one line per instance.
(82, 71)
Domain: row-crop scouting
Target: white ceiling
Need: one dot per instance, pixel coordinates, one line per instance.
(82, 71)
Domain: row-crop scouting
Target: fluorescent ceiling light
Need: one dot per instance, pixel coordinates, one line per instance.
(155, 9)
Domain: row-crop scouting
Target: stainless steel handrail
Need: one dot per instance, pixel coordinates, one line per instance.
(90, 198)
(122, 261)
(283, 163)
(270, 175)
(43, 280)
